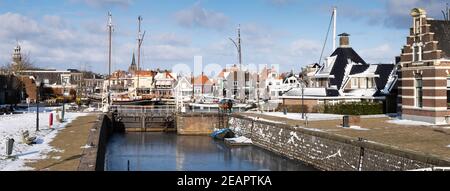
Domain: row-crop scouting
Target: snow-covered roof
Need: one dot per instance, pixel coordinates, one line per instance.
(361, 92)
(307, 92)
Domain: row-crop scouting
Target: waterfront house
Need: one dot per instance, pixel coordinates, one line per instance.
(425, 70)
(202, 86)
(183, 88)
(164, 84)
(344, 77)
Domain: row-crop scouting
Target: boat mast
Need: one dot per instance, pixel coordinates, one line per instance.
(238, 46)
(110, 30)
(140, 41)
(334, 27)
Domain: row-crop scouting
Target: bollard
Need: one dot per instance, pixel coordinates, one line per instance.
(50, 120)
(9, 146)
(345, 121)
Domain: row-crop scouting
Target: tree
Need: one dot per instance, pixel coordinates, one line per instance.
(25, 64)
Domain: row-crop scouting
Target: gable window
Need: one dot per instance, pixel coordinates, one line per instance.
(418, 92)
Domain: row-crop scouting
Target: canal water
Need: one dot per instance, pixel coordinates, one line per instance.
(169, 152)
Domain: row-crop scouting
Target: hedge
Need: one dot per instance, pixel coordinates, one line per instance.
(355, 108)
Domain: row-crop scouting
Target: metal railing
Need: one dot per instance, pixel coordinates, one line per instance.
(154, 110)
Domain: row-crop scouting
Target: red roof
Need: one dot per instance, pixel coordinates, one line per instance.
(202, 79)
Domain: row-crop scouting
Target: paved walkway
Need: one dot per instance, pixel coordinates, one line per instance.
(68, 145)
(432, 140)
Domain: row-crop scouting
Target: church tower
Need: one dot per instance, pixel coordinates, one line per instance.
(17, 56)
(133, 68)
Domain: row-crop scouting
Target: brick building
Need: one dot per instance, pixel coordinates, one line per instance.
(425, 70)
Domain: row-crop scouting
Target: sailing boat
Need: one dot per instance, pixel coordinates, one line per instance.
(126, 95)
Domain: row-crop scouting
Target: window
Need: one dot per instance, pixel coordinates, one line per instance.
(448, 92)
(419, 93)
(417, 52)
(354, 82)
(417, 26)
(362, 83)
(370, 83)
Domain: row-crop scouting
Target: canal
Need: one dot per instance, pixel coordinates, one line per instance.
(170, 152)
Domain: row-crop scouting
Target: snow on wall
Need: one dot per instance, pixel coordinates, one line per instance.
(321, 150)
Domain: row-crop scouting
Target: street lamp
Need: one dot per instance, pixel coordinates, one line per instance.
(302, 85)
(64, 102)
(38, 90)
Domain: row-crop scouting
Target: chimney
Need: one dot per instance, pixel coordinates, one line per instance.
(344, 40)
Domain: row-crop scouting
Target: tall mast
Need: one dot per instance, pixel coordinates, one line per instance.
(140, 40)
(110, 30)
(334, 27)
(239, 48)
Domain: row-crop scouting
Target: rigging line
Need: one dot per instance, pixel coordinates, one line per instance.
(326, 38)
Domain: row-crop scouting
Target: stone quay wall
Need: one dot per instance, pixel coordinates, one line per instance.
(200, 123)
(326, 151)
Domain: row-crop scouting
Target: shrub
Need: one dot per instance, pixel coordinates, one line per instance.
(355, 108)
(293, 108)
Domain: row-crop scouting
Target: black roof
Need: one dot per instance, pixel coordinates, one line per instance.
(356, 69)
(338, 70)
(384, 70)
(441, 30)
(332, 92)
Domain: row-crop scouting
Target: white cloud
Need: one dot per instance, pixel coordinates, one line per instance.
(305, 47)
(171, 39)
(383, 53)
(197, 16)
(395, 13)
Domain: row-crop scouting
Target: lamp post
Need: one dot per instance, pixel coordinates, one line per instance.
(303, 99)
(64, 102)
(38, 90)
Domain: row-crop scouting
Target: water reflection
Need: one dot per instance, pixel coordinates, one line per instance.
(169, 152)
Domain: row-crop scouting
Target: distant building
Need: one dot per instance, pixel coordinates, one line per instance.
(345, 77)
(12, 90)
(56, 83)
(164, 84)
(183, 89)
(133, 68)
(202, 86)
(425, 70)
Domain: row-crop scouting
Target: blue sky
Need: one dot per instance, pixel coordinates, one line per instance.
(65, 34)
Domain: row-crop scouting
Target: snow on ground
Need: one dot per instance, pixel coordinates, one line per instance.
(240, 139)
(298, 116)
(409, 122)
(12, 126)
(357, 128)
(265, 120)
